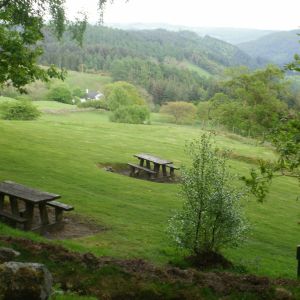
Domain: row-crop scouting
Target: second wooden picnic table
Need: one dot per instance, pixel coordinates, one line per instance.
(157, 162)
(32, 198)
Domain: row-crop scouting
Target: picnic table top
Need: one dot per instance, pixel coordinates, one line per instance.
(153, 159)
(25, 193)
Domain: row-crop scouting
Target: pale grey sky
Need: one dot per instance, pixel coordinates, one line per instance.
(260, 14)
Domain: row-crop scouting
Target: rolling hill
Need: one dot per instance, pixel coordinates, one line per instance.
(230, 35)
(278, 47)
(104, 45)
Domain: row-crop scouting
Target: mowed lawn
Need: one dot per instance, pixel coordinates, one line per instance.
(60, 153)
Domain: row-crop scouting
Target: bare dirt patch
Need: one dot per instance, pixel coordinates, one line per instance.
(123, 169)
(75, 225)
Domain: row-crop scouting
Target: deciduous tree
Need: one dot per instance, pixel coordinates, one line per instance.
(21, 30)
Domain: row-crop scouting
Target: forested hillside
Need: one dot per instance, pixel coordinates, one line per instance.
(104, 45)
(278, 47)
(231, 35)
(169, 65)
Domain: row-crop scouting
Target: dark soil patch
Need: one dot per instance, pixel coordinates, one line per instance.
(123, 169)
(109, 278)
(209, 260)
(75, 226)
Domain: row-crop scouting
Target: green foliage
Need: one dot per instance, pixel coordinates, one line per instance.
(286, 139)
(181, 112)
(164, 63)
(133, 114)
(78, 92)
(126, 103)
(122, 93)
(19, 110)
(164, 82)
(252, 102)
(19, 51)
(97, 104)
(211, 217)
(60, 93)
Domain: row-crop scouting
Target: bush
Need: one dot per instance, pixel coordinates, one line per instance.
(181, 112)
(97, 104)
(61, 94)
(211, 217)
(134, 114)
(126, 103)
(19, 110)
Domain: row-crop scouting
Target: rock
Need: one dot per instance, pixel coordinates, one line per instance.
(24, 281)
(7, 254)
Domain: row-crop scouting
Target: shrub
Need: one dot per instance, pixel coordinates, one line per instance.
(97, 104)
(181, 112)
(122, 94)
(60, 93)
(211, 217)
(134, 114)
(126, 103)
(77, 92)
(19, 110)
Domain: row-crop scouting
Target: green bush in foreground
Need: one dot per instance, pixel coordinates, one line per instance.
(19, 110)
(211, 217)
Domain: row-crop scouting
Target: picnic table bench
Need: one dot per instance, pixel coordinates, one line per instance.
(139, 168)
(156, 161)
(32, 199)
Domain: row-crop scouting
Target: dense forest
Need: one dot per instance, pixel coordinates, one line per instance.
(169, 65)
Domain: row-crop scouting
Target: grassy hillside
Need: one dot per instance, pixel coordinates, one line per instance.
(61, 153)
(38, 90)
(278, 47)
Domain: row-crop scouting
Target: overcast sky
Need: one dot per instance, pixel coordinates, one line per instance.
(260, 14)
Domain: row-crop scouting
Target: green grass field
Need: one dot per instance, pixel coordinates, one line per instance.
(94, 82)
(60, 153)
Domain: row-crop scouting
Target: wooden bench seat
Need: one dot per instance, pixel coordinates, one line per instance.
(140, 168)
(59, 210)
(13, 218)
(60, 205)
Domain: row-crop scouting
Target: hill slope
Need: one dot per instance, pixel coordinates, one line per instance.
(65, 154)
(230, 35)
(104, 45)
(279, 47)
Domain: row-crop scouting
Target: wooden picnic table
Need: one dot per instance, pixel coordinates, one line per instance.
(32, 198)
(157, 161)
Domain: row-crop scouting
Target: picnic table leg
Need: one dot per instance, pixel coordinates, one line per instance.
(172, 174)
(148, 164)
(141, 162)
(43, 214)
(58, 215)
(14, 205)
(132, 169)
(1, 202)
(29, 215)
(164, 170)
(156, 169)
